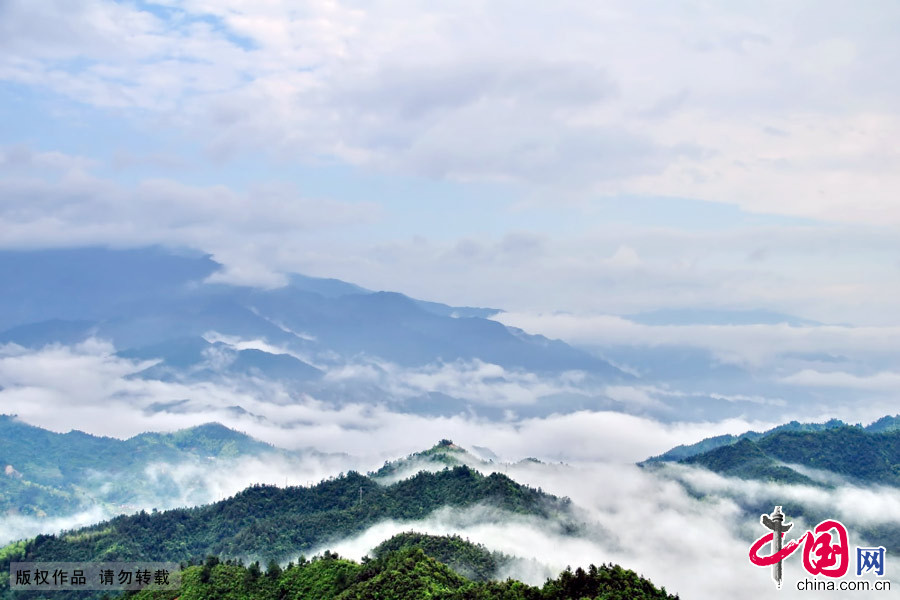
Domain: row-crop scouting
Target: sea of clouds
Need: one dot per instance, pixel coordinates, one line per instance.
(685, 528)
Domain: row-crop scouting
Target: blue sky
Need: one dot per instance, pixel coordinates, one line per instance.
(570, 161)
(583, 158)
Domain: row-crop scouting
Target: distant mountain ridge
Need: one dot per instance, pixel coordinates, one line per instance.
(274, 523)
(154, 303)
(44, 473)
(48, 474)
(851, 452)
(886, 423)
(868, 454)
(832, 456)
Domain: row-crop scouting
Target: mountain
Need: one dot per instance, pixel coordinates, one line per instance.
(396, 328)
(886, 423)
(200, 359)
(828, 455)
(833, 456)
(275, 523)
(49, 474)
(866, 455)
(442, 455)
(473, 561)
(745, 459)
(92, 284)
(159, 307)
(406, 567)
(682, 452)
(335, 288)
(280, 524)
(45, 473)
(852, 452)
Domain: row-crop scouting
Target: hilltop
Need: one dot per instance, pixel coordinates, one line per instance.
(406, 567)
(44, 473)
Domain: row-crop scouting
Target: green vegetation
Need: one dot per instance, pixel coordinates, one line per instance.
(745, 459)
(279, 524)
(471, 560)
(268, 522)
(408, 571)
(43, 473)
(852, 452)
(849, 451)
(884, 424)
(864, 455)
(443, 454)
(868, 454)
(682, 452)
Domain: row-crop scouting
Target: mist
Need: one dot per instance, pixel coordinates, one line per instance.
(684, 528)
(695, 546)
(89, 388)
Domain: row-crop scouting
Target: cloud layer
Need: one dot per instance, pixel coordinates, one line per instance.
(695, 546)
(483, 153)
(88, 387)
(650, 521)
(733, 105)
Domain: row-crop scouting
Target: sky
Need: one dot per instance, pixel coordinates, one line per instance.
(588, 158)
(572, 162)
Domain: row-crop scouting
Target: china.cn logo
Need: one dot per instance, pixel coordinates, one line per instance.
(826, 549)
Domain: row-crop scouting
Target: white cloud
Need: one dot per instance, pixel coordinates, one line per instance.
(575, 97)
(606, 104)
(88, 388)
(853, 504)
(80, 209)
(22, 157)
(884, 381)
(594, 271)
(648, 523)
(746, 344)
(482, 383)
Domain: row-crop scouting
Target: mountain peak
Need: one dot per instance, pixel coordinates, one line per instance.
(446, 444)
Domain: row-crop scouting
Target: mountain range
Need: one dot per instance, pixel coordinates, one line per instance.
(223, 544)
(865, 454)
(163, 310)
(153, 303)
(406, 567)
(269, 525)
(830, 456)
(168, 312)
(48, 474)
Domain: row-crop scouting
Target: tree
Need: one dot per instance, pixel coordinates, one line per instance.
(273, 571)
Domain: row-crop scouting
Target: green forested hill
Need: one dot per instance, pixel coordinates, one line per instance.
(745, 459)
(443, 454)
(869, 454)
(862, 455)
(853, 452)
(49, 457)
(849, 451)
(470, 560)
(683, 451)
(268, 522)
(44, 473)
(263, 522)
(409, 572)
(271, 524)
(278, 524)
